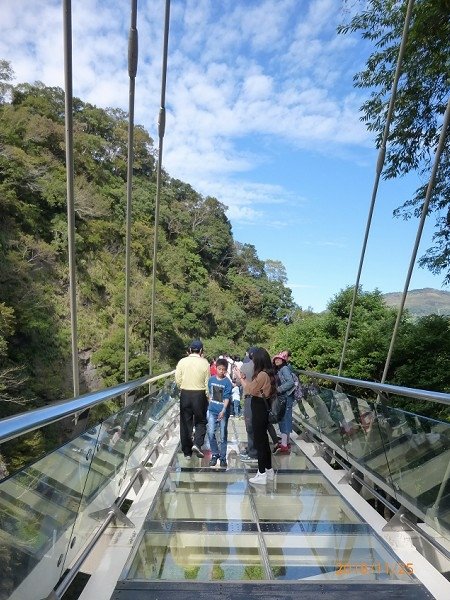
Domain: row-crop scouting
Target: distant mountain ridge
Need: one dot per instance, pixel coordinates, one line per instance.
(426, 301)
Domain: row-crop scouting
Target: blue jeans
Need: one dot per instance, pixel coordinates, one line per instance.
(222, 426)
(237, 407)
(286, 422)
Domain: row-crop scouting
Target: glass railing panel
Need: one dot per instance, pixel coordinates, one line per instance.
(39, 505)
(115, 440)
(50, 508)
(407, 453)
(351, 424)
(154, 407)
(118, 437)
(317, 404)
(418, 458)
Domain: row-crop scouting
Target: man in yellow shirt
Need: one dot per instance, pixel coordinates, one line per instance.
(191, 376)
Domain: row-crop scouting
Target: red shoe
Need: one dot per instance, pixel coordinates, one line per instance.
(282, 450)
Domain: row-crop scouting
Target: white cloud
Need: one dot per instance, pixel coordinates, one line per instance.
(301, 286)
(267, 68)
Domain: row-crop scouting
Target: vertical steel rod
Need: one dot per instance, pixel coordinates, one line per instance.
(380, 164)
(132, 69)
(68, 101)
(161, 131)
(437, 156)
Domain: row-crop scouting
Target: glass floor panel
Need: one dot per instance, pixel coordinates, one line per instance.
(193, 507)
(277, 507)
(206, 556)
(194, 556)
(295, 460)
(235, 482)
(337, 557)
(210, 524)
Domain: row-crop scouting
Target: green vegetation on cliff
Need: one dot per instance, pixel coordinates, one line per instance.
(209, 285)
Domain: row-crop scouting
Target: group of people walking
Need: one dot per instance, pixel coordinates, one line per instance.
(206, 400)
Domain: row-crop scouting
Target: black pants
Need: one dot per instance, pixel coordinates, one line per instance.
(251, 450)
(193, 408)
(260, 425)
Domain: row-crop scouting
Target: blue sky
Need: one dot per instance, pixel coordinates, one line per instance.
(261, 113)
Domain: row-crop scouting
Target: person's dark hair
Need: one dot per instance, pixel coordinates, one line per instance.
(222, 362)
(262, 362)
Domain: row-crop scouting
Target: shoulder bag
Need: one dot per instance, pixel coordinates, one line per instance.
(276, 407)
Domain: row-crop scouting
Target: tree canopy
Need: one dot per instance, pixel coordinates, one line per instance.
(422, 97)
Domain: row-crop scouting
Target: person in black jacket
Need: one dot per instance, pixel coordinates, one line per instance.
(285, 387)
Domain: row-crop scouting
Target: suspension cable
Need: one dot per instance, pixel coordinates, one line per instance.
(437, 156)
(68, 123)
(379, 168)
(132, 69)
(161, 130)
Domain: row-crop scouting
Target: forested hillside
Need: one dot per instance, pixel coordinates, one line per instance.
(420, 303)
(209, 285)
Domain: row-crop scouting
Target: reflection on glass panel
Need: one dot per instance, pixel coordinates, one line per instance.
(409, 452)
(101, 488)
(418, 457)
(188, 506)
(278, 507)
(338, 557)
(57, 499)
(116, 440)
(199, 556)
(38, 506)
(308, 484)
(225, 482)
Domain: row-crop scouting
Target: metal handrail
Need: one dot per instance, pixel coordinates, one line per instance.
(12, 427)
(440, 397)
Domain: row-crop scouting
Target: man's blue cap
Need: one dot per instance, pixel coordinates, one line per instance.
(196, 346)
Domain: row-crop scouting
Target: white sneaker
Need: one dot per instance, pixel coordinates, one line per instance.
(270, 474)
(259, 478)
(196, 450)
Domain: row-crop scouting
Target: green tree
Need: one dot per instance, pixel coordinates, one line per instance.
(422, 96)
(422, 361)
(315, 341)
(275, 271)
(6, 76)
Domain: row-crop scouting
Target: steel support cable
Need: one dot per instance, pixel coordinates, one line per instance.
(379, 168)
(161, 131)
(68, 123)
(132, 69)
(431, 182)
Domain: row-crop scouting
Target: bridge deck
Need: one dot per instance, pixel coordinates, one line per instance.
(208, 531)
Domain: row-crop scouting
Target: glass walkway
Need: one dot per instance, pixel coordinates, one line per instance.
(193, 531)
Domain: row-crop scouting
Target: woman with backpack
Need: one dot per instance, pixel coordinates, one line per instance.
(285, 387)
(260, 387)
